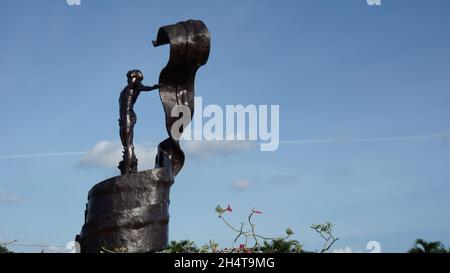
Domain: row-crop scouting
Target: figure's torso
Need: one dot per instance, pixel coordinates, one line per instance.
(128, 98)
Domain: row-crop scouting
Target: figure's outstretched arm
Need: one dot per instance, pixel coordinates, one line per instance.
(149, 88)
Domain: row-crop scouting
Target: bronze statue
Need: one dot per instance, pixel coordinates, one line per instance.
(131, 211)
(189, 50)
(127, 119)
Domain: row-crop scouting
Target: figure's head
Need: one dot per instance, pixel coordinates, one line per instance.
(135, 76)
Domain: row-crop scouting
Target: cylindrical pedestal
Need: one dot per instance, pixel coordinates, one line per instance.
(128, 212)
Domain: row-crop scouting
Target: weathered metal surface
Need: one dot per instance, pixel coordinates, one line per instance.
(127, 99)
(131, 211)
(189, 50)
(128, 211)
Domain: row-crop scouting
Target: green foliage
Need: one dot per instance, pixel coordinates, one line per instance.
(326, 232)
(282, 246)
(248, 235)
(422, 246)
(211, 247)
(4, 250)
(116, 250)
(289, 232)
(183, 246)
(274, 246)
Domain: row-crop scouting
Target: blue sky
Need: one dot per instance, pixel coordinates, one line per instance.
(340, 71)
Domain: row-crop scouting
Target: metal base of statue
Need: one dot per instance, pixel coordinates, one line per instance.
(128, 213)
(131, 212)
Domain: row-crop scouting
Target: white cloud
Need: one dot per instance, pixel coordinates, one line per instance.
(203, 149)
(343, 250)
(241, 184)
(55, 249)
(108, 154)
(104, 154)
(8, 197)
(146, 156)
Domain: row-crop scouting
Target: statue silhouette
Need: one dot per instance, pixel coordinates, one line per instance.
(128, 98)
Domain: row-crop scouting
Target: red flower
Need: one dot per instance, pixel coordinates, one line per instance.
(229, 208)
(244, 249)
(256, 211)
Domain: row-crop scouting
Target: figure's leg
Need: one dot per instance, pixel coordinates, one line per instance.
(123, 123)
(126, 137)
(130, 152)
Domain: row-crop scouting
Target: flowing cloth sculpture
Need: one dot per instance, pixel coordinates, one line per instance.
(189, 49)
(130, 212)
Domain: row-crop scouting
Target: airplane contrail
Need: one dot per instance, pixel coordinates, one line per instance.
(373, 139)
(300, 141)
(41, 155)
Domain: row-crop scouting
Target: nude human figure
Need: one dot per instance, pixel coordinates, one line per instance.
(128, 98)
